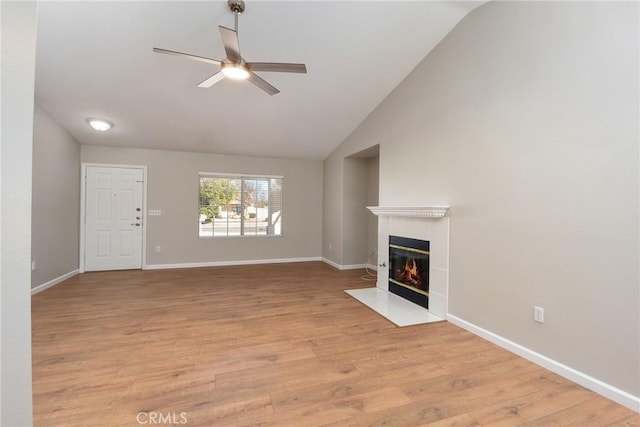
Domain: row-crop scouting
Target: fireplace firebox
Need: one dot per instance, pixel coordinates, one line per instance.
(409, 269)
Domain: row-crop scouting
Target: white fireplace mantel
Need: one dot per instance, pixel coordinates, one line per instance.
(421, 212)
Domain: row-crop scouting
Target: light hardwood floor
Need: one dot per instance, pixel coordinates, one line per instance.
(275, 345)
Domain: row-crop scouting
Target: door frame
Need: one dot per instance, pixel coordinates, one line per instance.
(83, 189)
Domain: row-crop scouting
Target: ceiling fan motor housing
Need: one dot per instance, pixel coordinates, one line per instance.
(236, 6)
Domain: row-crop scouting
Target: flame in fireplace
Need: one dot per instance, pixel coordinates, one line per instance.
(410, 274)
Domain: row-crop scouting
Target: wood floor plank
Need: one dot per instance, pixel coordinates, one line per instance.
(462, 420)
(583, 414)
(275, 345)
(334, 407)
(523, 409)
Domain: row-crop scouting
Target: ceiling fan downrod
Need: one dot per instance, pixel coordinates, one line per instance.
(236, 7)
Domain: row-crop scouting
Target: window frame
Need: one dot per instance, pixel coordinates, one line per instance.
(241, 177)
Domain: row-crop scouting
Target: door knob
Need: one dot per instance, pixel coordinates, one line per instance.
(137, 224)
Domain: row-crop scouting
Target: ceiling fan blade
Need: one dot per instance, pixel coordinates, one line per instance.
(210, 81)
(262, 84)
(231, 45)
(188, 55)
(277, 67)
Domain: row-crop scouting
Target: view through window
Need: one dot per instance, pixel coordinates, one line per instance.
(240, 206)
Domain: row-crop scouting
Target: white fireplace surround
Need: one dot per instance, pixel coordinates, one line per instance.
(426, 223)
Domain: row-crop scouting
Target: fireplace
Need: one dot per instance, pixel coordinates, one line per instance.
(409, 269)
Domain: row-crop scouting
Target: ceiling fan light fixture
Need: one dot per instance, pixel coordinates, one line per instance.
(234, 66)
(235, 71)
(101, 125)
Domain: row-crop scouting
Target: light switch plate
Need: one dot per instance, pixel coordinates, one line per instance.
(155, 212)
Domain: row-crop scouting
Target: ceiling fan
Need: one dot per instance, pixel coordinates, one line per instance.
(234, 66)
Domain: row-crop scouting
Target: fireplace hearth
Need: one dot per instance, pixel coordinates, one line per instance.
(409, 269)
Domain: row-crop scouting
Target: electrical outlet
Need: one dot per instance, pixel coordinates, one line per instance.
(538, 314)
(330, 246)
(33, 266)
(158, 249)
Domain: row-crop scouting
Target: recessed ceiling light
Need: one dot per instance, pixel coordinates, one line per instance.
(100, 125)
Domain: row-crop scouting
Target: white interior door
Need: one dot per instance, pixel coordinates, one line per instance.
(113, 218)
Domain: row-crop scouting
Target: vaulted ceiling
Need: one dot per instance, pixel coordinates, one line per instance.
(95, 59)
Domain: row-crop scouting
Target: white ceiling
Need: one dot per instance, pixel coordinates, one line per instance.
(95, 59)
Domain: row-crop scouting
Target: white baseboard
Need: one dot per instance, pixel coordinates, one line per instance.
(610, 392)
(343, 267)
(228, 263)
(353, 267)
(53, 282)
(331, 263)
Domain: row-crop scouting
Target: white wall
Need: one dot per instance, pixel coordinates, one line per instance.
(373, 179)
(173, 188)
(355, 215)
(18, 75)
(332, 208)
(55, 229)
(525, 120)
(358, 227)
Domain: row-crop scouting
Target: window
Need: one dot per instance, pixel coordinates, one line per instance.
(240, 206)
